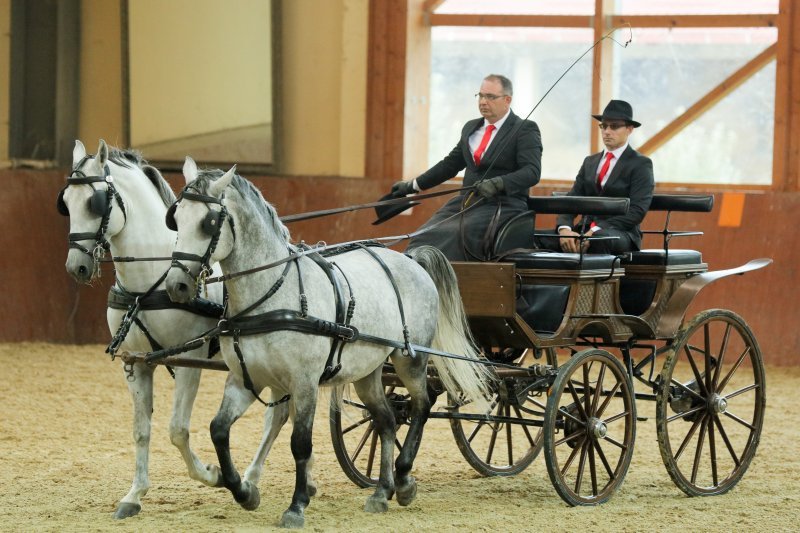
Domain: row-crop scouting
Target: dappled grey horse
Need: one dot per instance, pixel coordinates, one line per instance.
(313, 318)
(117, 202)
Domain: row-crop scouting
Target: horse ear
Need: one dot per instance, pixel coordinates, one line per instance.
(78, 153)
(189, 170)
(102, 153)
(218, 187)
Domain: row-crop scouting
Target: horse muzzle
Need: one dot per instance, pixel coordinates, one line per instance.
(80, 266)
(180, 286)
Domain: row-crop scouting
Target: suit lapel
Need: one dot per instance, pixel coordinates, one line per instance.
(619, 166)
(499, 137)
(591, 169)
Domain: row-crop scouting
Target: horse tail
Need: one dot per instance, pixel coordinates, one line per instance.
(471, 382)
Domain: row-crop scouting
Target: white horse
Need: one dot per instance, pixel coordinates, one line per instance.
(116, 200)
(286, 327)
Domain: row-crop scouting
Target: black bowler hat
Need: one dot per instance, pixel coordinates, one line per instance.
(385, 212)
(619, 110)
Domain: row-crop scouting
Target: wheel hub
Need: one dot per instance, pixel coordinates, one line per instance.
(717, 404)
(597, 428)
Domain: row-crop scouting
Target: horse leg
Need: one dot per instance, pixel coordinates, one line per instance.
(141, 389)
(235, 401)
(304, 402)
(274, 420)
(413, 375)
(187, 381)
(370, 391)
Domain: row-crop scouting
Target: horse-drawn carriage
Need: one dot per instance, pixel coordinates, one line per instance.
(567, 339)
(575, 340)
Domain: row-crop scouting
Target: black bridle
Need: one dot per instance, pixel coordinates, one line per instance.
(211, 226)
(100, 204)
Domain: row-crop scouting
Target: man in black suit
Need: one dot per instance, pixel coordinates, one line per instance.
(618, 171)
(502, 154)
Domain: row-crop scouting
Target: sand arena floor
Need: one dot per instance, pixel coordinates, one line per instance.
(67, 456)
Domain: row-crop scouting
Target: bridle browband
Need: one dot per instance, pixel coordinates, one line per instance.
(100, 203)
(211, 225)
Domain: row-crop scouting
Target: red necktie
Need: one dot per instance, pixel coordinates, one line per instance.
(484, 142)
(604, 171)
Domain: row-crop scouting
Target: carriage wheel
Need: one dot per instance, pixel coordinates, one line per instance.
(589, 428)
(502, 448)
(355, 441)
(710, 407)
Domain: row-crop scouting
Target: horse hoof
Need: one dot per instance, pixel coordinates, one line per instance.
(292, 520)
(127, 510)
(376, 504)
(407, 493)
(253, 499)
(215, 477)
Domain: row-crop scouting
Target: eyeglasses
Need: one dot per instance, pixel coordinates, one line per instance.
(490, 97)
(613, 127)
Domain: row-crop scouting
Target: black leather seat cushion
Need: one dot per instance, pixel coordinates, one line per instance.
(662, 258)
(562, 261)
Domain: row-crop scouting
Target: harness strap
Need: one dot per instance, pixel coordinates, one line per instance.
(248, 383)
(127, 319)
(406, 336)
(154, 344)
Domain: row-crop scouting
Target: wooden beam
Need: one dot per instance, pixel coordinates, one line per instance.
(386, 66)
(786, 162)
(696, 21)
(712, 97)
(539, 21)
(585, 21)
(430, 6)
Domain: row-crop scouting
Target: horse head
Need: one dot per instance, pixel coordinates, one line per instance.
(95, 209)
(205, 229)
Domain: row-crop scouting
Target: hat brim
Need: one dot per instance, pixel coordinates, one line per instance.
(633, 123)
(385, 212)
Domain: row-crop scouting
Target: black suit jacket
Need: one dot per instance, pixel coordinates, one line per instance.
(515, 155)
(632, 177)
(519, 163)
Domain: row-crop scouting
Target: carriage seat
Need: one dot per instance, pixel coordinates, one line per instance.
(562, 261)
(660, 257)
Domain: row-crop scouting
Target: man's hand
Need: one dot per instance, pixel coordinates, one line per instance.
(402, 188)
(569, 240)
(490, 188)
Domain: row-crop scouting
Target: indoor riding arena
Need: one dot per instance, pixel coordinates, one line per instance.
(586, 304)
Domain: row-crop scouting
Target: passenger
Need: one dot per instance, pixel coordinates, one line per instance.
(618, 171)
(502, 154)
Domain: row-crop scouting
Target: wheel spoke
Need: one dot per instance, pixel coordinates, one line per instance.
(578, 433)
(575, 451)
(698, 377)
(576, 400)
(357, 425)
(616, 443)
(722, 349)
(733, 370)
(688, 438)
(508, 437)
(727, 442)
(525, 429)
(371, 457)
(598, 389)
(687, 389)
(608, 399)
(361, 443)
(603, 459)
(742, 391)
(749, 426)
(701, 437)
(707, 356)
(712, 448)
(616, 417)
(475, 431)
(686, 413)
(593, 466)
(581, 466)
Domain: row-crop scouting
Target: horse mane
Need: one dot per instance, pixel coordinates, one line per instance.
(130, 158)
(247, 191)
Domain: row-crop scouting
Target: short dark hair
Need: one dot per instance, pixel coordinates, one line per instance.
(508, 88)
